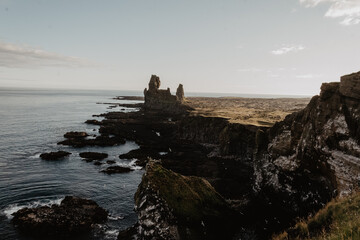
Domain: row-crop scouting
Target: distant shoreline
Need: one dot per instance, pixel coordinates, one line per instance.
(140, 93)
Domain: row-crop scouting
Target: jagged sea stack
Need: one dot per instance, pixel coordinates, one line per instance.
(161, 99)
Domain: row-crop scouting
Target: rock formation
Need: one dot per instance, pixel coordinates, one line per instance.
(161, 99)
(180, 95)
(172, 206)
(54, 155)
(350, 85)
(73, 216)
(313, 155)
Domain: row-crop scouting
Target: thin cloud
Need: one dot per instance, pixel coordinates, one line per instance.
(349, 10)
(308, 76)
(288, 49)
(18, 56)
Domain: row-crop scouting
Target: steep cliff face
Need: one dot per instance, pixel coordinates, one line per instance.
(313, 155)
(172, 206)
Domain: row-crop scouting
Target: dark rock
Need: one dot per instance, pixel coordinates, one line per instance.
(329, 89)
(93, 155)
(350, 85)
(93, 122)
(54, 155)
(73, 216)
(161, 99)
(117, 169)
(180, 95)
(110, 161)
(98, 163)
(172, 206)
(75, 135)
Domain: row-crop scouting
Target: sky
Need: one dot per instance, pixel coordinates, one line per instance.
(235, 46)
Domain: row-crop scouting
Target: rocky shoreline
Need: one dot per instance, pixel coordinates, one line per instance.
(215, 178)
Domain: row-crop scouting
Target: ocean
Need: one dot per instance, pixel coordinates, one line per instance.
(32, 122)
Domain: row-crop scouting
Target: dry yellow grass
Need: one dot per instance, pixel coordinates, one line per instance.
(253, 111)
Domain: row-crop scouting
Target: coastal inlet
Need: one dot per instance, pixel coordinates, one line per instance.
(32, 123)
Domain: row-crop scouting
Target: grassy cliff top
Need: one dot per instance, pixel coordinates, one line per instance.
(252, 111)
(339, 219)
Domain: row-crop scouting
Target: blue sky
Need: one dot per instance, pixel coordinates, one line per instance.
(242, 46)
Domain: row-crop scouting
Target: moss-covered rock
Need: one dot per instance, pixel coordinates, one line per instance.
(173, 206)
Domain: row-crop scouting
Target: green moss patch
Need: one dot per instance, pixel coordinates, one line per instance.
(192, 199)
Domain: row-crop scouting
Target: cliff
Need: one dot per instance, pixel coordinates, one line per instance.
(311, 156)
(172, 206)
(270, 175)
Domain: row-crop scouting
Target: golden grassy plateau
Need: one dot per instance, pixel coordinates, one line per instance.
(253, 111)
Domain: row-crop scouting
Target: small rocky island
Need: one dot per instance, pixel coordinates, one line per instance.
(72, 217)
(210, 176)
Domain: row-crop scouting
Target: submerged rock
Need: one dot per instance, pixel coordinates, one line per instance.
(93, 155)
(73, 216)
(117, 169)
(54, 155)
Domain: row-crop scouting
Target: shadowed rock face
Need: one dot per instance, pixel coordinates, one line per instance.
(172, 206)
(350, 85)
(311, 156)
(180, 95)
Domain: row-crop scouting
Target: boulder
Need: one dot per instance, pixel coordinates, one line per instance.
(73, 216)
(350, 85)
(117, 169)
(93, 122)
(98, 163)
(54, 155)
(75, 135)
(93, 155)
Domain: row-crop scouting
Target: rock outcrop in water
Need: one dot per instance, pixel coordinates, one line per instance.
(73, 216)
(54, 155)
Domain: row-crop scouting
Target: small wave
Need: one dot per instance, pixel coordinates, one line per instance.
(36, 156)
(115, 218)
(111, 234)
(12, 208)
(131, 165)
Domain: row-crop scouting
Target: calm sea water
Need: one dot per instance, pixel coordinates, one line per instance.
(32, 122)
